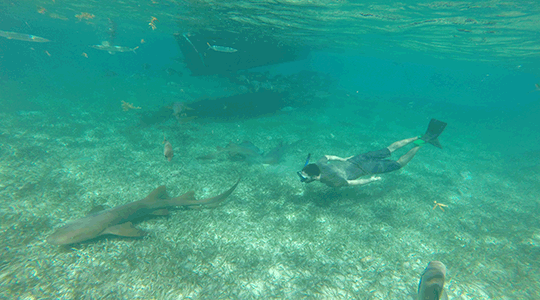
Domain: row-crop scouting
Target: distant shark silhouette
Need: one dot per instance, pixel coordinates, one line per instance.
(248, 152)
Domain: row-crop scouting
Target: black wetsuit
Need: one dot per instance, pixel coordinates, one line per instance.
(336, 173)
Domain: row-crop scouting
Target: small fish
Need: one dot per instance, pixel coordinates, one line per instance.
(168, 151)
(537, 88)
(85, 16)
(152, 23)
(22, 37)
(431, 286)
(106, 46)
(221, 48)
(59, 17)
(127, 106)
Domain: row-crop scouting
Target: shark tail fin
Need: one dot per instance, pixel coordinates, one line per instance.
(211, 202)
(135, 49)
(219, 198)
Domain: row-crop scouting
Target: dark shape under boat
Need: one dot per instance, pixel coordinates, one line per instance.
(202, 53)
(237, 107)
(244, 106)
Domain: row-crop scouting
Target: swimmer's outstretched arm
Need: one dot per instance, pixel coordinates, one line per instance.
(363, 181)
(333, 157)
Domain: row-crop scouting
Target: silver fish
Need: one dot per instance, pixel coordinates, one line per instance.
(106, 46)
(22, 37)
(221, 48)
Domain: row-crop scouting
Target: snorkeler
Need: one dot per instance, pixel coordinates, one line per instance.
(335, 171)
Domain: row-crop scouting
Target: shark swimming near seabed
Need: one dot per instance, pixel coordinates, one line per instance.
(117, 220)
(107, 46)
(248, 152)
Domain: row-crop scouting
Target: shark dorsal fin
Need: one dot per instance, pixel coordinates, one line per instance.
(159, 194)
(96, 209)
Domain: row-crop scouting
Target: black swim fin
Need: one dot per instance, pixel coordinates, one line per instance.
(435, 129)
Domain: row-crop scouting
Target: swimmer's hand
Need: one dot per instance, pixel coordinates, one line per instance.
(333, 157)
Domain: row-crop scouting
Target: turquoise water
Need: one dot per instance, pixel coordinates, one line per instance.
(373, 73)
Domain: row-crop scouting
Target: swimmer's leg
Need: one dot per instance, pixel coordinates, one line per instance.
(406, 158)
(399, 144)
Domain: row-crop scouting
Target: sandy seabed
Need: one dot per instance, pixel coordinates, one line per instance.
(274, 237)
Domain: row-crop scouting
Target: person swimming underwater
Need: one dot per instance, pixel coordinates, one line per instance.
(335, 171)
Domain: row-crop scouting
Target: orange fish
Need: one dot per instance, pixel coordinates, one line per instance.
(152, 23)
(86, 16)
(57, 16)
(84, 54)
(168, 151)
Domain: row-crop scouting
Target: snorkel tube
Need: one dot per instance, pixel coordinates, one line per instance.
(299, 173)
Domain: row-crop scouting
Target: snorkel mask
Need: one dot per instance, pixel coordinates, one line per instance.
(299, 173)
